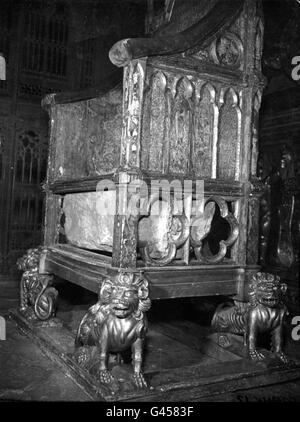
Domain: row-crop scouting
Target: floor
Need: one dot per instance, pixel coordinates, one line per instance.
(27, 374)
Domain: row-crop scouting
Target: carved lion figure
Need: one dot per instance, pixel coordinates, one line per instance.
(115, 323)
(265, 312)
(37, 296)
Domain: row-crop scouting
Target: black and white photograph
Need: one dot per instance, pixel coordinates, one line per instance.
(149, 204)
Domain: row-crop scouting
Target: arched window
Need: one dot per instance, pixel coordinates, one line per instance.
(31, 158)
(27, 204)
(45, 41)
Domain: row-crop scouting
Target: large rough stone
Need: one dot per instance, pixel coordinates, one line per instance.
(89, 219)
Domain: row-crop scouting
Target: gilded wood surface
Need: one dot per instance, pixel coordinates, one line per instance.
(87, 137)
(191, 126)
(186, 117)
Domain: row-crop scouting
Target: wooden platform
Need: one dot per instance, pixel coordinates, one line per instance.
(183, 362)
(83, 267)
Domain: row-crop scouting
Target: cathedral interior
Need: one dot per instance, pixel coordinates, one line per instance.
(196, 89)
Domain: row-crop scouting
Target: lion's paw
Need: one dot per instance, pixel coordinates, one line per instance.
(82, 356)
(256, 355)
(105, 376)
(139, 380)
(282, 356)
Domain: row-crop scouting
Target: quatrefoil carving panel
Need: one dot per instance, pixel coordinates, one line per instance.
(202, 225)
(162, 232)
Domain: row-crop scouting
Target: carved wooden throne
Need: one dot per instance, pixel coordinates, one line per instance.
(186, 116)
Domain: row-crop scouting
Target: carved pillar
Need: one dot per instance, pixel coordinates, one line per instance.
(264, 224)
(282, 184)
(278, 225)
(252, 251)
(133, 93)
(126, 220)
(284, 249)
(127, 202)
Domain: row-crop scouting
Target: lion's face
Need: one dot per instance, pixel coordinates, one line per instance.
(123, 299)
(269, 298)
(267, 290)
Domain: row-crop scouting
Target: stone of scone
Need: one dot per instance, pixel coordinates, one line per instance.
(89, 219)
